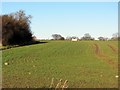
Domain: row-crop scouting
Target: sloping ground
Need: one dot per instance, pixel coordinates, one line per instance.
(78, 62)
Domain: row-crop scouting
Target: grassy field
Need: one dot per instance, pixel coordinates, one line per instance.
(85, 64)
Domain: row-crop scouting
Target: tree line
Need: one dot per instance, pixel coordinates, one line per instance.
(86, 36)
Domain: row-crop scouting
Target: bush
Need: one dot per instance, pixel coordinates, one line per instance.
(16, 29)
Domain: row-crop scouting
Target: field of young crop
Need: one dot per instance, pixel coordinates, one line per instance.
(85, 64)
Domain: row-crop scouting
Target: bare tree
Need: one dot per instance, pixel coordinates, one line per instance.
(115, 36)
(68, 38)
(102, 38)
(71, 37)
(57, 37)
(87, 36)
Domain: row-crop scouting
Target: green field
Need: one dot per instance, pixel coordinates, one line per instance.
(85, 64)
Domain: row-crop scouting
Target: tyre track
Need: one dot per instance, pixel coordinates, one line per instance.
(113, 48)
(104, 57)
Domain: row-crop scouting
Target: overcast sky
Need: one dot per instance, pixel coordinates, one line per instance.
(68, 18)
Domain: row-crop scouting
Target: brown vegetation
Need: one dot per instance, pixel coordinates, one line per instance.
(16, 29)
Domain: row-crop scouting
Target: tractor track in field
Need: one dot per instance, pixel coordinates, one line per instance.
(113, 48)
(104, 57)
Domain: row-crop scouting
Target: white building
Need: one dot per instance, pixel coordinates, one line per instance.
(74, 39)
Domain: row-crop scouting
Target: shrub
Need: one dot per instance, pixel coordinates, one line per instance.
(16, 29)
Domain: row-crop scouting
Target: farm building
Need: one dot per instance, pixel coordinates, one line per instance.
(74, 39)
